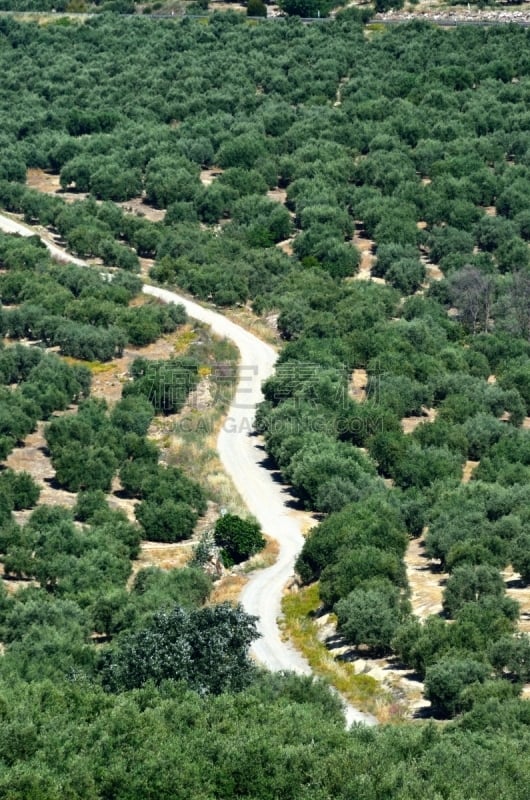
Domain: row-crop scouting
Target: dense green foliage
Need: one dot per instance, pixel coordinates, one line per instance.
(18, 490)
(87, 450)
(206, 647)
(83, 312)
(281, 738)
(32, 386)
(166, 384)
(238, 538)
(413, 137)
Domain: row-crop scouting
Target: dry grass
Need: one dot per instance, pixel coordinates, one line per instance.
(197, 456)
(262, 327)
(228, 589)
(189, 439)
(162, 555)
(265, 558)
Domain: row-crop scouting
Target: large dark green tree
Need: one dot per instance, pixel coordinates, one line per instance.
(207, 648)
(238, 538)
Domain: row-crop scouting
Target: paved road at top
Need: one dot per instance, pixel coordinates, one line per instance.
(242, 457)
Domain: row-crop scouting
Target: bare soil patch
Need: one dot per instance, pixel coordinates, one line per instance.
(468, 470)
(409, 424)
(11, 586)
(139, 208)
(357, 385)
(433, 272)
(42, 181)
(425, 579)
(366, 248)
(286, 246)
(277, 195)
(516, 589)
(208, 176)
(32, 458)
(306, 519)
(404, 691)
(49, 183)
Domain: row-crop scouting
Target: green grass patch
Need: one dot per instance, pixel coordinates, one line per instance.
(375, 27)
(94, 366)
(300, 627)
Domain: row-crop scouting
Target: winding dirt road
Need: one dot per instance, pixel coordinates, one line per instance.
(242, 457)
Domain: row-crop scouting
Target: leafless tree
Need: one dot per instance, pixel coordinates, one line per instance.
(519, 299)
(473, 293)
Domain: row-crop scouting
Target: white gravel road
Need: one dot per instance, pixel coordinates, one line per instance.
(241, 455)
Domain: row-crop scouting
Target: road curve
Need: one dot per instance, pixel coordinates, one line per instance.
(242, 457)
